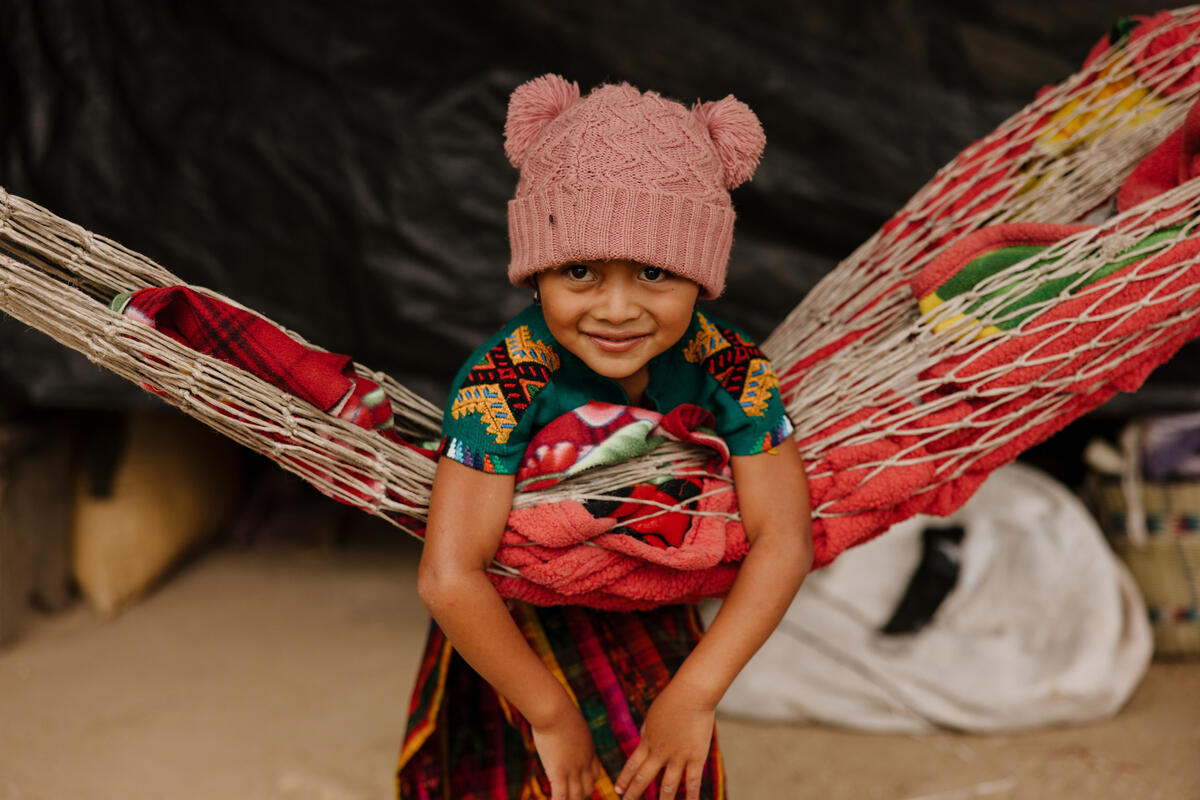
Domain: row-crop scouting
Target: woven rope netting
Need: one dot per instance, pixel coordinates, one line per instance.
(859, 363)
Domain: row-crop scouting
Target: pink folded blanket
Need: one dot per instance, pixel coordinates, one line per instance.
(635, 548)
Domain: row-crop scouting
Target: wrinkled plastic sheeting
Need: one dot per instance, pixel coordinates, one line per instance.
(340, 168)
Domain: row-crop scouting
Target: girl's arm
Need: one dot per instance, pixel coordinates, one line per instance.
(772, 494)
(467, 514)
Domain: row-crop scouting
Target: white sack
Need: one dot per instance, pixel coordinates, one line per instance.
(1044, 626)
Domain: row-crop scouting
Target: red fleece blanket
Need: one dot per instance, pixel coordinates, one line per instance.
(631, 549)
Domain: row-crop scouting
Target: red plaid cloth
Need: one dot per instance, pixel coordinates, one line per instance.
(245, 340)
(237, 337)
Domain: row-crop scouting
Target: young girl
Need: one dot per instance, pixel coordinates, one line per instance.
(621, 220)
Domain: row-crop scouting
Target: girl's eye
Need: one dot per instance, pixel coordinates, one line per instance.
(578, 272)
(654, 274)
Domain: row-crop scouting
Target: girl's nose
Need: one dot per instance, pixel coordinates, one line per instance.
(617, 303)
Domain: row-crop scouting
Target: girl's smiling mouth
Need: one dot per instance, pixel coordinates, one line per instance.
(616, 342)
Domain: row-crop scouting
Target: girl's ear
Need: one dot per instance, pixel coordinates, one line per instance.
(533, 105)
(737, 134)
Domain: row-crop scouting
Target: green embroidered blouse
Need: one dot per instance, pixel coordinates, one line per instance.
(521, 379)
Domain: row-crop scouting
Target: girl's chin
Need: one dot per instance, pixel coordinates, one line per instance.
(617, 374)
(615, 369)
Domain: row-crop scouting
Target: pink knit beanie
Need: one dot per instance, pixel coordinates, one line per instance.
(622, 174)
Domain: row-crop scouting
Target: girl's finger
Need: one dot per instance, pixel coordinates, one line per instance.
(643, 778)
(597, 768)
(630, 769)
(695, 774)
(575, 788)
(670, 781)
(587, 781)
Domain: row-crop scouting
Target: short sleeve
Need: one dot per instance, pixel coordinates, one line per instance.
(742, 389)
(486, 424)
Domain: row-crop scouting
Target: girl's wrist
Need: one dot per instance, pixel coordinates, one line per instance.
(704, 693)
(548, 706)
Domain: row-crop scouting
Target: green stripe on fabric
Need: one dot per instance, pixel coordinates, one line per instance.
(985, 266)
(1010, 314)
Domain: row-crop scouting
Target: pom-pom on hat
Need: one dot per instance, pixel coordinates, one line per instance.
(625, 174)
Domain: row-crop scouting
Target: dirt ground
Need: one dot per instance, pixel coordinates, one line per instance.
(283, 671)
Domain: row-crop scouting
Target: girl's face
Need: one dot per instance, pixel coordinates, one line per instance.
(617, 315)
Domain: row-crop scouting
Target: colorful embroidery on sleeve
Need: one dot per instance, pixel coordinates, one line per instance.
(782, 430)
(463, 453)
(708, 340)
(756, 390)
(500, 387)
(737, 364)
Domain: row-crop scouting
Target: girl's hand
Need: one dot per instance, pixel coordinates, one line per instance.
(568, 755)
(675, 741)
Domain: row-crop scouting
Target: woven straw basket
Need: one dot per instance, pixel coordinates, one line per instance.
(1167, 565)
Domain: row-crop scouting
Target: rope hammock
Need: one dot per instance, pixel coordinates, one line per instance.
(978, 321)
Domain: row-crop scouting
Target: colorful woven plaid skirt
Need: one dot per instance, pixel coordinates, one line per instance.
(465, 741)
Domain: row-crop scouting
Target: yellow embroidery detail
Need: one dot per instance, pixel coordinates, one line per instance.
(488, 401)
(756, 393)
(524, 349)
(708, 341)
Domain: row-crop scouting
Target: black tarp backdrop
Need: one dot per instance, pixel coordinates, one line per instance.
(339, 166)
